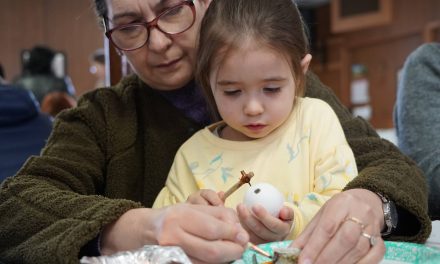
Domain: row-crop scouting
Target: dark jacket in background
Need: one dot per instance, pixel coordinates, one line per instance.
(23, 129)
(41, 85)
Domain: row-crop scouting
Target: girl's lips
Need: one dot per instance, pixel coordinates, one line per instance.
(255, 127)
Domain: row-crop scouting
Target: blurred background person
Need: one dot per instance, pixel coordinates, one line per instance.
(417, 116)
(23, 128)
(97, 67)
(55, 102)
(39, 76)
(2, 75)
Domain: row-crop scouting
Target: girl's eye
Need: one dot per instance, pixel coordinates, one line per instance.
(231, 92)
(272, 89)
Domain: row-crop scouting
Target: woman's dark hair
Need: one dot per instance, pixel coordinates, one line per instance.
(273, 23)
(101, 8)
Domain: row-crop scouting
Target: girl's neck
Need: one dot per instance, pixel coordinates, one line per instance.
(226, 132)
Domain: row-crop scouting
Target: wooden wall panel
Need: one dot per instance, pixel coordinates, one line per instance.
(382, 49)
(21, 23)
(68, 26)
(383, 61)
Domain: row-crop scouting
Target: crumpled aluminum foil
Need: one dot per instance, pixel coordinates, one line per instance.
(150, 254)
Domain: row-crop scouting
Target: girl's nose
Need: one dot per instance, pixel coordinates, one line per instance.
(253, 107)
(158, 41)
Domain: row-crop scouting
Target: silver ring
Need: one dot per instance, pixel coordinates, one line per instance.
(371, 239)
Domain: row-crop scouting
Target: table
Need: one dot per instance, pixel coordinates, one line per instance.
(434, 238)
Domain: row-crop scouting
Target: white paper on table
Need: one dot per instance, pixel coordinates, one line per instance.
(434, 238)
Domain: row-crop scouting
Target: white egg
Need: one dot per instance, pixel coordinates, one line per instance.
(265, 195)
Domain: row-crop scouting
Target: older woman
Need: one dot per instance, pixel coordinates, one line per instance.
(107, 159)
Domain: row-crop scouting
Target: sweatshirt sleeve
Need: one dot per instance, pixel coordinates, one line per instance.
(52, 207)
(333, 164)
(382, 168)
(417, 116)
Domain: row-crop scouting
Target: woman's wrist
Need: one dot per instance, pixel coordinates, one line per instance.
(132, 230)
(389, 214)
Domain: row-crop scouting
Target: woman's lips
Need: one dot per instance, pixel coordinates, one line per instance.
(169, 65)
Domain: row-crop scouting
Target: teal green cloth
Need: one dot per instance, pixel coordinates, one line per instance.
(112, 153)
(396, 252)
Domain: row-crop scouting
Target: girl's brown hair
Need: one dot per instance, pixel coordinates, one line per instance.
(274, 23)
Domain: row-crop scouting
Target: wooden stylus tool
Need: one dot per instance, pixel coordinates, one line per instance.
(245, 178)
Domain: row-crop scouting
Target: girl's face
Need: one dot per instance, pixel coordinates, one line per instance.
(254, 89)
(165, 62)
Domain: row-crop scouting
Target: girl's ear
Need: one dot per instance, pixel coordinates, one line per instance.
(305, 62)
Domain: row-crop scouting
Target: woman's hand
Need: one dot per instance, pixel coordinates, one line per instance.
(263, 227)
(206, 197)
(335, 233)
(207, 234)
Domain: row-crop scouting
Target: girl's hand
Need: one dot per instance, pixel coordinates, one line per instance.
(206, 197)
(263, 227)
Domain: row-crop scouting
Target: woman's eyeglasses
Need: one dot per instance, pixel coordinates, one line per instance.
(174, 20)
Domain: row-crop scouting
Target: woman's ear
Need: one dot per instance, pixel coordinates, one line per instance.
(206, 3)
(305, 62)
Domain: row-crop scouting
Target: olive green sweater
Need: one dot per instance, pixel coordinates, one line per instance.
(112, 153)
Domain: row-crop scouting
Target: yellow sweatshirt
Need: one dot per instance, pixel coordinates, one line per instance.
(307, 158)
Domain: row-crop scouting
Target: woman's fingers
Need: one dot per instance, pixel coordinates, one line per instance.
(206, 222)
(323, 232)
(304, 237)
(375, 254)
(368, 240)
(217, 251)
(334, 234)
(347, 246)
(206, 233)
(306, 234)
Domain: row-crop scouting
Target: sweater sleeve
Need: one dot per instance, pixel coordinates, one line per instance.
(417, 116)
(382, 168)
(333, 165)
(180, 183)
(52, 207)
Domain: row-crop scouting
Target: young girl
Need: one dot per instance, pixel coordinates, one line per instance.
(252, 60)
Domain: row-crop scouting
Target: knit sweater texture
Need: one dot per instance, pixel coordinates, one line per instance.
(112, 153)
(417, 116)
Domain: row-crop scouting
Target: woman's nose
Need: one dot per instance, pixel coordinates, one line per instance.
(158, 41)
